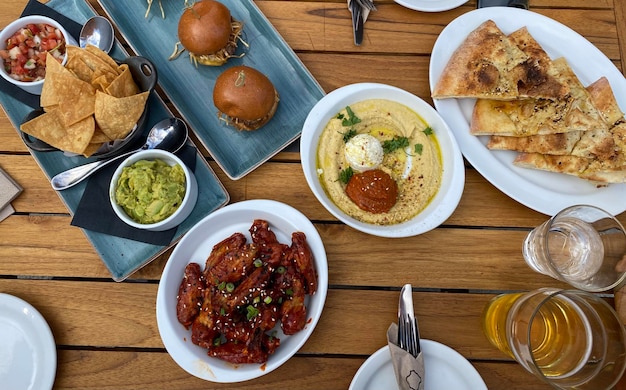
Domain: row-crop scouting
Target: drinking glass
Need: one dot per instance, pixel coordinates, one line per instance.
(581, 245)
(568, 338)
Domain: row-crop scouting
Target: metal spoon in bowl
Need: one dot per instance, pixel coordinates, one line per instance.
(97, 31)
(169, 134)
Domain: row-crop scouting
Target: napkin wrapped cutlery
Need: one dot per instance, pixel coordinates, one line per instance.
(403, 341)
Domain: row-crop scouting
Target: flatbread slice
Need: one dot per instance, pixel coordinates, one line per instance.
(610, 170)
(546, 82)
(482, 66)
(526, 117)
(603, 99)
(596, 143)
(588, 169)
(489, 65)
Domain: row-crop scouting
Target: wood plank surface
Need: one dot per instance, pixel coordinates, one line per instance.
(106, 332)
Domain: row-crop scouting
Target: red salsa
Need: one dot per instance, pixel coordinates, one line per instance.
(24, 58)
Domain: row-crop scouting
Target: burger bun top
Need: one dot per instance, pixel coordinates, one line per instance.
(245, 93)
(205, 27)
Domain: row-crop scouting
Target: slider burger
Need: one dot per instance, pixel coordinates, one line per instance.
(245, 98)
(208, 32)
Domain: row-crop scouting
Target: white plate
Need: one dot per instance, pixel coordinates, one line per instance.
(545, 192)
(28, 356)
(195, 246)
(444, 368)
(431, 5)
(453, 178)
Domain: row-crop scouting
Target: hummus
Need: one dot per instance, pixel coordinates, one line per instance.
(416, 168)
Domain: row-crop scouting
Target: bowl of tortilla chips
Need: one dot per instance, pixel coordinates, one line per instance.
(93, 106)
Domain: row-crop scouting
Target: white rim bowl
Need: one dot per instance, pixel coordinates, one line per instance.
(186, 207)
(33, 87)
(195, 246)
(453, 178)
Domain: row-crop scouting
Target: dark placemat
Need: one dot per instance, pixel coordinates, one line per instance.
(95, 212)
(36, 8)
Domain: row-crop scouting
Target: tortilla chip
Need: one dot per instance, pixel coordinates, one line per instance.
(94, 62)
(102, 78)
(48, 95)
(123, 85)
(97, 52)
(117, 116)
(76, 99)
(91, 149)
(99, 137)
(80, 69)
(49, 128)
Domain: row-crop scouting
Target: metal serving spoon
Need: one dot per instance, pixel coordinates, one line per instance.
(169, 134)
(97, 31)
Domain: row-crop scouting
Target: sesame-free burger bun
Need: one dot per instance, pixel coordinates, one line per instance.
(245, 97)
(208, 32)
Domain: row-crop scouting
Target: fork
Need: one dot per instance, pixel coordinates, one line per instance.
(408, 337)
(367, 4)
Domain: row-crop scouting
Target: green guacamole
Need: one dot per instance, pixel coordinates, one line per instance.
(150, 190)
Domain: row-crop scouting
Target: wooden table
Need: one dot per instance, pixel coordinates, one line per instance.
(106, 332)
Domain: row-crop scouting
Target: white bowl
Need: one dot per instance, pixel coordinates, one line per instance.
(453, 178)
(195, 247)
(33, 87)
(189, 201)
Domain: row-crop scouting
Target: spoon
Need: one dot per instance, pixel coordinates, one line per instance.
(97, 31)
(169, 134)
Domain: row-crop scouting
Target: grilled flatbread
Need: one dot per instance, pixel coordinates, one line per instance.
(489, 65)
(546, 82)
(611, 170)
(526, 117)
(594, 143)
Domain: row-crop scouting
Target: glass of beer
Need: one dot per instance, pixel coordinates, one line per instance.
(582, 245)
(569, 338)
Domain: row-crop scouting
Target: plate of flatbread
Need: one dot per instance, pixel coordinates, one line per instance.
(536, 108)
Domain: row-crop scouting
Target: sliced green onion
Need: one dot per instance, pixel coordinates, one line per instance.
(251, 312)
(281, 269)
(257, 263)
(230, 287)
(268, 300)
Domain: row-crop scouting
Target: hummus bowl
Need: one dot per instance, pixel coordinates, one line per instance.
(448, 177)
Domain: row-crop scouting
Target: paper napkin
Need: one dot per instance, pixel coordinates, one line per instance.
(9, 190)
(409, 370)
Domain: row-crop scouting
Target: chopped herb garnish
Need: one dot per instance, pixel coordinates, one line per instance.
(281, 269)
(427, 131)
(345, 175)
(351, 120)
(251, 312)
(419, 148)
(217, 341)
(230, 287)
(348, 134)
(289, 292)
(394, 144)
(257, 263)
(267, 300)
(221, 286)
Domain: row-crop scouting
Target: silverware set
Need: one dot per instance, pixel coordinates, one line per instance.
(408, 332)
(359, 9)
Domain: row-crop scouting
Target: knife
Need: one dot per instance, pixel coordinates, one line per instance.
(408, 331)
(357, 21)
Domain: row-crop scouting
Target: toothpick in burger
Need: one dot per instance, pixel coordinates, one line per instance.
(245, 98)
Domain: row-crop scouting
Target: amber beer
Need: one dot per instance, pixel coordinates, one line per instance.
(565, 337)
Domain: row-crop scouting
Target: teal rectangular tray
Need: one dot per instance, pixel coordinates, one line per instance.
(121, 256)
